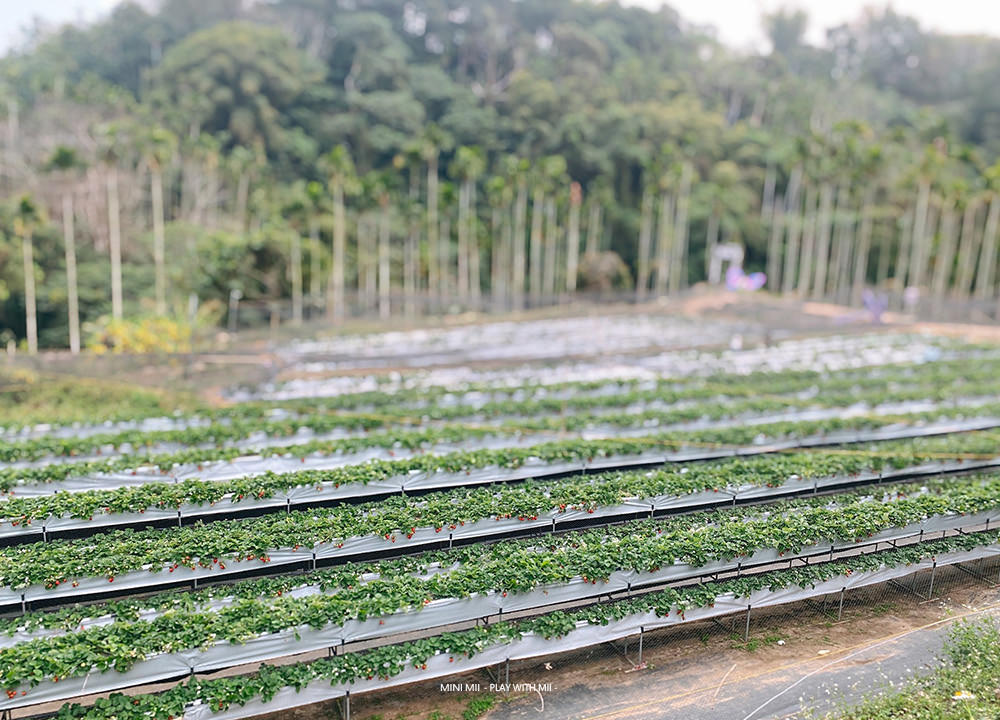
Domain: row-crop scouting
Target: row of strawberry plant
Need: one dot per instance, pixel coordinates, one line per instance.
(842, 395)
(390, 660)
(232, 431)
(530, 499)
(262, 591)
(420, 438)
(695, 387)
(216, 433)
(942, 372)
(405, 439)
(235, 428)
(640, 544)
(684, 389)
(826, 419)
(730, 435)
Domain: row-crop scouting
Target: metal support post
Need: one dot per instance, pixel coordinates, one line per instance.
(840, 610)
(930, 590)
(746, 632)
(640, 645)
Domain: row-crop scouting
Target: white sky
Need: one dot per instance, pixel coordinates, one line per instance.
(737, 21)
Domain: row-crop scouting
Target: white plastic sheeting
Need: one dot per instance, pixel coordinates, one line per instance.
(827, 353)
(80, 430)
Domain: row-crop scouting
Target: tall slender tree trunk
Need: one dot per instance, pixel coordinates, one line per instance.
(884, 261)
(411, 252)
(844, 273)
(507, 257)
(593, 228)
(767, 197)
(365, 265)
(806, 258)
(384, 270)
(13, 117)
(72, 287)
(550, 243)
(573, 237)
(371, 263)
(968, 250)
(242, 199)
(863, 249)
(919, 247)
(925, 263)
(988, 259)
(664, 242)
(315, 271)
(335, 291)
(793, 219)
(842, 228)
(535, 269)
(518, 261)
(190, 206)
(945, 262)
(296, 272)
(434, 278)
(30, 309)
(645, 245)
(903, 256)
(463, 242)
(159, 260)
(711, 242)
(774, 249)
(472, 245)
(498, 237)
(823, 240)
(790, 273)
(212, 209)
(445, 270)
(678, 273)
(115, 244)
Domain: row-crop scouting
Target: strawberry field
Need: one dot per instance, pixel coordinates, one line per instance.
(410, 506)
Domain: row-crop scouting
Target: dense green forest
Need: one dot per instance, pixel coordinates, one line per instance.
(327, 158)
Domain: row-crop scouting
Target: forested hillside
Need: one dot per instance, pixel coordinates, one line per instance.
(329, 158)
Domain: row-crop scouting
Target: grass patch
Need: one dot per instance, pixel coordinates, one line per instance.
(478, 707)
(755, 643)
(29, 398)
(967, 687)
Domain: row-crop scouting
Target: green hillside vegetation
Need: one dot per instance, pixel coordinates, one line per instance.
(338, 158)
